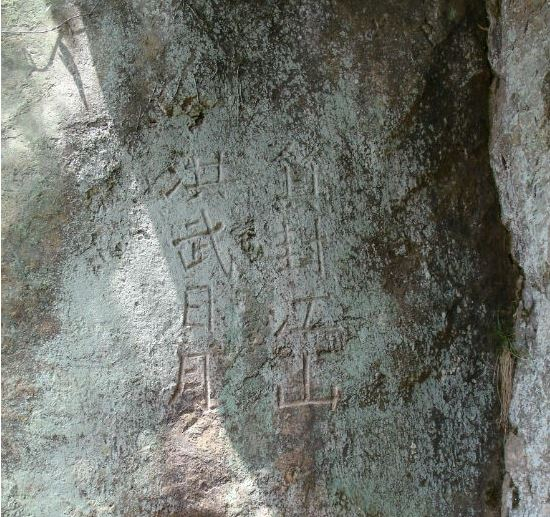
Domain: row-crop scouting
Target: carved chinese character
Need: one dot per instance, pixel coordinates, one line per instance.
(286, 255)
(194, 377)
(307, 399)
(311, 252)
(197, 307)
(200, 237)
(306, 315)
(301, 175)
(197, 175)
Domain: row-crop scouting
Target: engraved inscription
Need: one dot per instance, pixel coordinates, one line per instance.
(290, 259)
(315, 176)
(194, 377)
(200, 237)
(306, 399)
(291, 180)
(301, 173)
(308, 325)
(285, 243)
(196, 175)
(307, 304)
(306, 316)
(333, 340)
(197, 307)
(318, 243)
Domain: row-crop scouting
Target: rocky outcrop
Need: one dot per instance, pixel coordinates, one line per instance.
(254, 261)
(520, 157)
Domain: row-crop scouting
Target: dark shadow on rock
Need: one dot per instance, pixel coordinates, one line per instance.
(69, 63)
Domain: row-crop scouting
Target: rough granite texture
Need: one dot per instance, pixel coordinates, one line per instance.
(253, 260)
(520, 156)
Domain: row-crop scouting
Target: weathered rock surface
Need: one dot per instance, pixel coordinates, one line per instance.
(252, 260)
(520, 156)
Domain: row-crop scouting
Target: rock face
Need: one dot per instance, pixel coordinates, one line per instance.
(253, 260)
(520, 156)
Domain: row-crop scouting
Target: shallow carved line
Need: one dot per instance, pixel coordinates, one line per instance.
(307, 400)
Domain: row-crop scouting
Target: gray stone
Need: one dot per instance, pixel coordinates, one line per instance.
(520, 156)
(253, 260)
